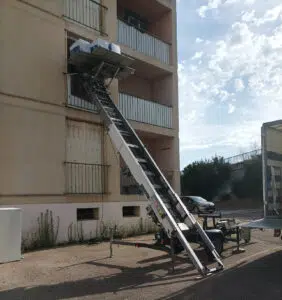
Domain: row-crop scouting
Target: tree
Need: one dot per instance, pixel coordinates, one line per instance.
(250, 186)
(205, 178)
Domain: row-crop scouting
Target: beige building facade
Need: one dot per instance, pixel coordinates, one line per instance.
(55, 152)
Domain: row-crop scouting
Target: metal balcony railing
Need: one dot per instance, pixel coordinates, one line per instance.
(89, 13)
(140, 110)
(143, 42)
(82, 178)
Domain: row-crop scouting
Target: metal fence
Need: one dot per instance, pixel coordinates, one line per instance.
(84, 178)
(144, 111)
(89, 13)
(243, 157)
(143, 42)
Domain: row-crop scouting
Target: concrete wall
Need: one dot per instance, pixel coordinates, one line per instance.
(32, 54)
(158, 90)
(33, 115)
(162, 91)
(273, 140)
(136, 86)
(64, 216)
(33, 148)
(163, 28)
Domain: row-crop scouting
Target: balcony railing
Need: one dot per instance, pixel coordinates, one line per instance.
(144, 111)
(76, 95)
(82, 178)
(89, 13)
(131, 107)
(143, 42)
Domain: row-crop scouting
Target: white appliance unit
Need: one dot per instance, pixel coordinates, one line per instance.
(10, 234)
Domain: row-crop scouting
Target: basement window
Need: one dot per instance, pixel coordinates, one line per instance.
(131, 211)
(86, 214)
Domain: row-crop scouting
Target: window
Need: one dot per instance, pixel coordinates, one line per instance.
(75, 86)
(135, 20)
(131, 211)
(86, 214)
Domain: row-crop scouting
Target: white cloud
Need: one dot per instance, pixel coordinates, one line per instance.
(231, 108)
(268, 11)
(198, 40)
(248, 16)
(197, 55)
(239, 85)
(212, 4)
(250, 2)
(271, 15)
(247, 57)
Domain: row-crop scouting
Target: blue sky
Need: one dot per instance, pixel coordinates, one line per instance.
(230, 74)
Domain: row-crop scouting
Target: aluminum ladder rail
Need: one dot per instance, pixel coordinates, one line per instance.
(164, 204)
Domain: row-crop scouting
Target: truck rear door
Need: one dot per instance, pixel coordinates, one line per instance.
(272, 168)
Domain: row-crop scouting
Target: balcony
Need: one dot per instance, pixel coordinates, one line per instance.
(140, 110)
(82, 178)
(143, 42)
(132, 108)
(88, 13)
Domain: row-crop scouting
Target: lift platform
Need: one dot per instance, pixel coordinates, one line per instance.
(102, 62)
(165, 207)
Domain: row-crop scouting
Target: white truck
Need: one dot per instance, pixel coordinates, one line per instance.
(271, 142)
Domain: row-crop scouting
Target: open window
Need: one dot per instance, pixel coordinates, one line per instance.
(74, 87)
(135, 20)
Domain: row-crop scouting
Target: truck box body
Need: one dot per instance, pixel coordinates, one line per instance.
(272, 168)
(271, 143)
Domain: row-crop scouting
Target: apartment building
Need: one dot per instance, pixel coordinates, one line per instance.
(55, 151)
